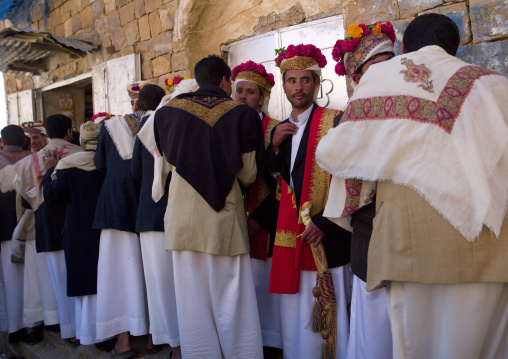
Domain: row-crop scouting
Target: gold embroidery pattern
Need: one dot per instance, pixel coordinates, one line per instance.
(132, 123)
(442, 113)
(320, 180)
(285, 238)
(417, 73)
(208, 109)
(297, 63)
(256, 78)
(271, 124)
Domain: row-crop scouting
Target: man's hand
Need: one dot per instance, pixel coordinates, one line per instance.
(50, 159)
(281, 132)
(312, 235)
(253, 227)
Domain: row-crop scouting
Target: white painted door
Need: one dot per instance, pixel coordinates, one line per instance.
(261, 49)
(109, 81)
(20, 107)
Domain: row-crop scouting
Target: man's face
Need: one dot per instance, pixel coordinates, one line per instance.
(299, 87)
(249, 94)
(134, 104)
(37, 142)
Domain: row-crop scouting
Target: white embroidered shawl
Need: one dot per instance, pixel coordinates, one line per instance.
(429, 121)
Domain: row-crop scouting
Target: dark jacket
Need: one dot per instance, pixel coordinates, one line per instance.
(337, 240)
(150, 216)
(78, 191)
(118, 200)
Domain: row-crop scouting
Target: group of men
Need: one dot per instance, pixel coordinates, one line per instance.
(228, 234)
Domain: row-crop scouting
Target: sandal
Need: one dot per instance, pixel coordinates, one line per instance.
(155, 349)
(115, 353)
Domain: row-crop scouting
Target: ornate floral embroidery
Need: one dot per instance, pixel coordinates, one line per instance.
(442, 113)
(417, 73)
(61, 152)
(208, 109)
(353, 189)
(285, 238)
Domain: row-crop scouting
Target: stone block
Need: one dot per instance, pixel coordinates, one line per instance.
(118, 38)
(163, 43)
(273, 21)
(126, 13)
(98, 8)
(488, 19)
(59, 30)
(152, 5)
(144, 28)
(75, 6)
(400, 27)
(155, 23)
(36, 12)
(55, 18)
(491, 55)
(113, 21)
(56, 3)
(127, 50)
(179, 61)
(161, 65)
(68, 28)
(120, 3)
(166, 15)
(76, 23)
(131, 32)
(139, 8)
(146, 69)
(459, 14)
(87, 18)
(368, 11)
(178, 45)
(409, 8)
(145, 48)
(109, 6)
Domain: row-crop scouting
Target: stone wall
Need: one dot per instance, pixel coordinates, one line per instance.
(171, 35)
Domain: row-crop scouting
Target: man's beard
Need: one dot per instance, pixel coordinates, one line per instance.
(300, 104)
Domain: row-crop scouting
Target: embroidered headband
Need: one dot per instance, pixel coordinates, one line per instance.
(301, 57)
(255, 73)
(31, 128)
(172, 82)
(133, 88)
(363, 42)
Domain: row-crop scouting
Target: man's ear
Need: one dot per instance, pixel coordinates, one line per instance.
(403, 48)
(356, 78)
(261, 100)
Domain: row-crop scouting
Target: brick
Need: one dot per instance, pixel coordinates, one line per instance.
(65, 12)
(68, 28)
(75, 6)
(139, 8)
(152, 5)
(76, 23)
(55, 18)
(364, 11)
(491, 55)
(120, 3)
(459, 14)
(86, 17)
(155, 23)
(146, 69)
(127, 50)
(109, 6)
(36, 12)
(131, 32)
(59, 30)
(118, 38)
(145, 48)
(488, 19)
(179, 61)
(167, 18)
(162, 43)
(113, 21)
(161, 65)
(410, 8)
(98, 8)
(126, 13)
(144, 28)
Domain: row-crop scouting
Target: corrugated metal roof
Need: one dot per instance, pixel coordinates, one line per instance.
(21, 50)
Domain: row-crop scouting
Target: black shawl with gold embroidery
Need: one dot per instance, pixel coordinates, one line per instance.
(203, 134)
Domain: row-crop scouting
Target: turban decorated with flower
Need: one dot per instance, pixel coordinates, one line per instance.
(101, 116)
(171, 83)
(133, 88)
(255, 73)
(301, 57)
(31, 128)
(362, 43)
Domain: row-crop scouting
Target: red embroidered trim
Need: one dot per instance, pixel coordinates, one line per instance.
(442, 113)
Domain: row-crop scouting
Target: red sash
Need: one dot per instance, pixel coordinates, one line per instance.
(259, 190)
(290, 255)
